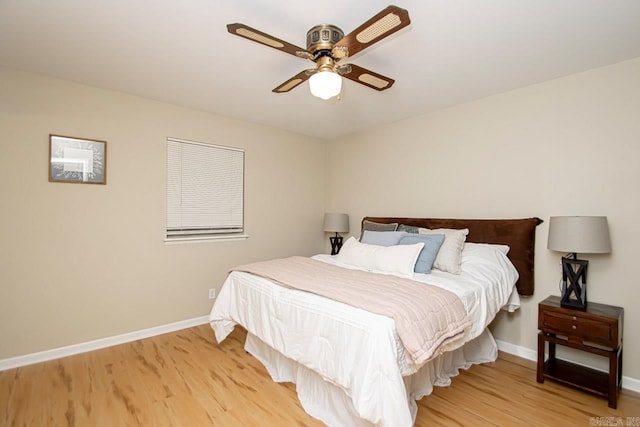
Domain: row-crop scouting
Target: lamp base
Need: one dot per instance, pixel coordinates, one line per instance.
(574, 304)
(336, 244)
(574, 283)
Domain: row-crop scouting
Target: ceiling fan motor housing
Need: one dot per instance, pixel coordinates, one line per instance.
(322, 37)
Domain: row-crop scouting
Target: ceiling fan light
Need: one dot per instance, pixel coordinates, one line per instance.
(325, 84)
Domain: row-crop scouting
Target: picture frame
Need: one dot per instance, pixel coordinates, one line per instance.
(77, 160)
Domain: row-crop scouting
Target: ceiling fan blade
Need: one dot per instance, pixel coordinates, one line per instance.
(368, 78)
(294, 81)
(383, 24)
(265, 39)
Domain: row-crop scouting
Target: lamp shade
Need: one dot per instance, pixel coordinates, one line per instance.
(336, 222)
(325, 84)
(579, 234)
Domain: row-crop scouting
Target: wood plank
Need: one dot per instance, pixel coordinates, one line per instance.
(185, 378)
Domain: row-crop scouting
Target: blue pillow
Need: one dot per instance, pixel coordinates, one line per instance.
(408, 228)
(382, 238)
(432, 243)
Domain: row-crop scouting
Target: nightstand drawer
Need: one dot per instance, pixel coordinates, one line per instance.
(591, 330)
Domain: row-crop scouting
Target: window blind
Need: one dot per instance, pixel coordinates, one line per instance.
(205, 189)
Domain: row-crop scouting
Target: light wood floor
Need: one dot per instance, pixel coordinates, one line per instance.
(185, 379)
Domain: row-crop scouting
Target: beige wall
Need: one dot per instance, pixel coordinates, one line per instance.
(81, 262)
(564, 147)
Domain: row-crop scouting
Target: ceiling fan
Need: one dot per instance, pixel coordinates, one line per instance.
(327, 46)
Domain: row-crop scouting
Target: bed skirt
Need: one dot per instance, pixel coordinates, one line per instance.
(329, 403)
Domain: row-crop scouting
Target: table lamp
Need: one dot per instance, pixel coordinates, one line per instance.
(577, 234)
(336, 223)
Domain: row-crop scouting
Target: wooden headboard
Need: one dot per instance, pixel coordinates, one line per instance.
(518, 234)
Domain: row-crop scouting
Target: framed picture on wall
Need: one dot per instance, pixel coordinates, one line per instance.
(77, 160)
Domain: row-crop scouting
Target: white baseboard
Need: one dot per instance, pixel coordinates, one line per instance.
(516, 350)
(56, 353)
(628, 383)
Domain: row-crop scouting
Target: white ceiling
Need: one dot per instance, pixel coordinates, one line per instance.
(180, 52)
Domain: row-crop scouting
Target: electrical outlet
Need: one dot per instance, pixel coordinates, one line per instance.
(212, 293)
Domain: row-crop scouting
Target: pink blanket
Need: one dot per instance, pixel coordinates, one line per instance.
(425, 316)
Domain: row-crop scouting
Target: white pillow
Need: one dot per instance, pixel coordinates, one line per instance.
(397, 260)
(450, 253)
(502, 248)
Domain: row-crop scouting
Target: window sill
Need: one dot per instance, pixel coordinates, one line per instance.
(205, 239)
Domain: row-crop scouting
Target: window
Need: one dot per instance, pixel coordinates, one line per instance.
(205, 191)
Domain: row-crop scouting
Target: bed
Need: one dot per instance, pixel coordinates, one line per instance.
(349, 364)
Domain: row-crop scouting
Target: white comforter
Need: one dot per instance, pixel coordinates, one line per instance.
(356, 353)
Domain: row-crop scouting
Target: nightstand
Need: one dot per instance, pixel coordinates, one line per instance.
(598, 330)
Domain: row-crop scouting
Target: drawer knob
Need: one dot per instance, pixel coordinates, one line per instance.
(574, 327)
(574, 318)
